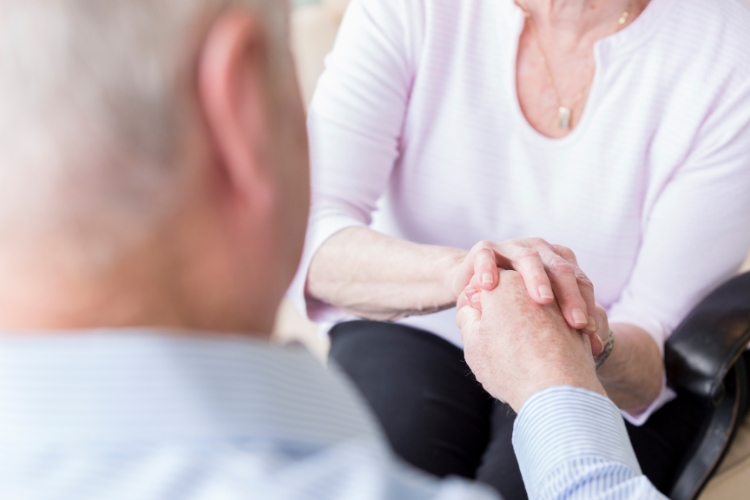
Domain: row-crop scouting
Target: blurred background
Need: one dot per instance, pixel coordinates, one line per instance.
(314, 27)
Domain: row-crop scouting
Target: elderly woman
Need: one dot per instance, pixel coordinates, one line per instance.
(449, 138)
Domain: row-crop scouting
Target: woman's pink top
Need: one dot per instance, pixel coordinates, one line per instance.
(416, 131)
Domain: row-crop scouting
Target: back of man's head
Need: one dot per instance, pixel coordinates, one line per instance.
(132, 133)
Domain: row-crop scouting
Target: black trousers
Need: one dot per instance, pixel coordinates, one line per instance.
(439, 418)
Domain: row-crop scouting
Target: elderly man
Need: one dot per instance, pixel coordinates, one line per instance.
(154, 198)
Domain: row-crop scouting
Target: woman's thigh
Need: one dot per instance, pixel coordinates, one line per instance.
(499, 467)
(439, 419)
(433, 411)
(661, 443)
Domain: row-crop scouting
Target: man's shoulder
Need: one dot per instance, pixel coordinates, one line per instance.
(228, 469)
(119, 387)
(132, 414)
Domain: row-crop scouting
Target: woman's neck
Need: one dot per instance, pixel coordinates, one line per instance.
(580, 18)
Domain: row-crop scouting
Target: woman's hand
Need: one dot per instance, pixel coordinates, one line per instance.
(382, 278)
(549, 272)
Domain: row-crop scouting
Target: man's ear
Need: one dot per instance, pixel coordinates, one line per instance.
(232, 78)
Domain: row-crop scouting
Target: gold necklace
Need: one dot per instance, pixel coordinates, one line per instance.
(565, 113)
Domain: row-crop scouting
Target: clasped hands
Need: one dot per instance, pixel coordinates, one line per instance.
(528, 319)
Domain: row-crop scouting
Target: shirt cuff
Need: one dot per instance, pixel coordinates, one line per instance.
(563, 424)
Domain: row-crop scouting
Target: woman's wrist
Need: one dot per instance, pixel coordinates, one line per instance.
(449, 267)
(632, 374)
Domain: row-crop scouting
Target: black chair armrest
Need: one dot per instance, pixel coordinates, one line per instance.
(704, 361)
(709, 341)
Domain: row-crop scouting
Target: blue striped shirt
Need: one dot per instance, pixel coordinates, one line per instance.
(136, 415)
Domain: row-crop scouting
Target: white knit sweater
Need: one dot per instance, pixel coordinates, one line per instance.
(417, 132)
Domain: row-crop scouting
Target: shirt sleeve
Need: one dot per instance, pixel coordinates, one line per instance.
(572, 443)
(355, 123)
(696, 232)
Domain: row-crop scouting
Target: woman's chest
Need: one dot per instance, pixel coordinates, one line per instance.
(467, 153)
(471, 168)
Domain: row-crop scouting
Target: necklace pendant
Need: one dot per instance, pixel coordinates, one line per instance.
(564, 115)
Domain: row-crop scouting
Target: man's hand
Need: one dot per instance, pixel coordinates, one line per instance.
(517, 347)
(549, 272)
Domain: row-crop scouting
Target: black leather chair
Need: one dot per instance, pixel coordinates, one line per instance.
(705, 360)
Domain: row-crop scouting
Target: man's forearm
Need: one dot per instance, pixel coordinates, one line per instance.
(378, 277)
(632, 375)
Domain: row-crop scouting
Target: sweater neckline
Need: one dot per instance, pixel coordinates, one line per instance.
(632, 36)
(624, 41)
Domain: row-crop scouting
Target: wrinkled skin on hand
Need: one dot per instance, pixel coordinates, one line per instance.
(517, 347)
(550, 273)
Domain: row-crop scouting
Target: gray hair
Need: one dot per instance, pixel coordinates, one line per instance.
(93, 103)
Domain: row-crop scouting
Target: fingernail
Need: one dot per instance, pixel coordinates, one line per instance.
(487, 278)
(475, 297)
(545, 292)
(600, 347)
(579, 317)
(591, 325)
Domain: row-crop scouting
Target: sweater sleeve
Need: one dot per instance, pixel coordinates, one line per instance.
(697, 232)
(355, 123)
